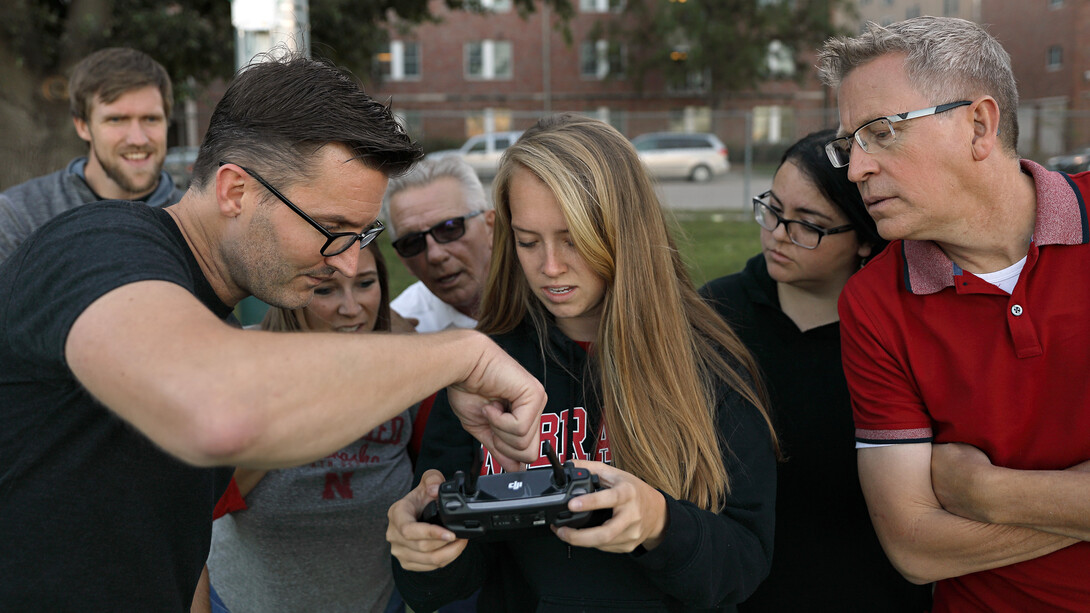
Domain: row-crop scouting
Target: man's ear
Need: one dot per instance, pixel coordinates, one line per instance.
(865, 249)
(490, 220)
(82, 128)
(230, 188)
(985, 115)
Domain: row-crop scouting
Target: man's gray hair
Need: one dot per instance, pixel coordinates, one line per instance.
(430, 169)
(946, 59)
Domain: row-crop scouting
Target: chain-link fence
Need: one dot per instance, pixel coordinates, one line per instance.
(758, 135)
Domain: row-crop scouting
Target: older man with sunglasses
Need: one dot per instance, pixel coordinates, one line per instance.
(441, 227)
(965, 343)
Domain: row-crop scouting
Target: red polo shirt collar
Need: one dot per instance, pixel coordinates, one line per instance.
(1061, 220)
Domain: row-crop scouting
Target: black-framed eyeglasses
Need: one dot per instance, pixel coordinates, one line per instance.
(802, 233)
(336, 242)
(445, 231)
(877, 134)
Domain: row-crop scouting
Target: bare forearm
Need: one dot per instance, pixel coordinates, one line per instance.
(321, 392)
(926, 542)
(967, 484)
(213, 395)
(1053, 501)
(221, 396)
(937, 545)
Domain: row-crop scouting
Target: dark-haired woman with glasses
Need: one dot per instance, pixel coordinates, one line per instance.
(815, 233)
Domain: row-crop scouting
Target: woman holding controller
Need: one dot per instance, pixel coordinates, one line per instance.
(648, 389)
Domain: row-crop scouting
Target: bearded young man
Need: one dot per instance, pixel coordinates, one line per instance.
(120, 101)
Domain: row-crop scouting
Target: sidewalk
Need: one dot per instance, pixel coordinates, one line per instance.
(724, 193)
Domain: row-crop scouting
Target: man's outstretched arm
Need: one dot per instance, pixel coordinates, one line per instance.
(211, 394)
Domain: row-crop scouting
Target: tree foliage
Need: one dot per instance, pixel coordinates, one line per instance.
(725, 41)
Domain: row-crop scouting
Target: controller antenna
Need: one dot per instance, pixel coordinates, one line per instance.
(559, 478)
(471, 480)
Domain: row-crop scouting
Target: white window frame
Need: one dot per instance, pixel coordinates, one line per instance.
(601, 6)
(488, 49)
(1054, 58)
(495, 6)
(780, 60)
(397, 64)
(605, 63)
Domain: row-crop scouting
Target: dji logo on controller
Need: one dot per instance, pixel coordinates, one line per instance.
(514, 485)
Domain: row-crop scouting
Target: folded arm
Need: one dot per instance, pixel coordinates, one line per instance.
(969, 485)
(925, 542)
(211, 394)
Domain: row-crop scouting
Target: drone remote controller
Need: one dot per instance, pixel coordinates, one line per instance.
(498, 505)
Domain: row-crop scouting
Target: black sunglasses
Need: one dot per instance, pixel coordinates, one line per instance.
(336, 242)
(415, 243)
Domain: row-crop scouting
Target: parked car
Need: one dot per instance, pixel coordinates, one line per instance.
(695, 156)
(179, 164)
(1076, 161)
(483, 151)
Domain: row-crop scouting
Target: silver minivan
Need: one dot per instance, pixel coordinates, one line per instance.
(483, 151)
(697, 156)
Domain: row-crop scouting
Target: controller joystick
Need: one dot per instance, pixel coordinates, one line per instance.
(507, 504)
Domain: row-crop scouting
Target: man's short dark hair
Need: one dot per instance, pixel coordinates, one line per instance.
(109, 73)
(276, 114)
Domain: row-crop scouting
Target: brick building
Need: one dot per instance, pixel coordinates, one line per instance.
(1052, 69)
(472, 73)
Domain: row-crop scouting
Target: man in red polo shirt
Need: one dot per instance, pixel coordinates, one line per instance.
(966, 344)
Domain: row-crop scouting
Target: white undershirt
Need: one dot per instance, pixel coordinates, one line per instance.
(1007, 278)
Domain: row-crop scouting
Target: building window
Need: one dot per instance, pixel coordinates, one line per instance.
(488, 120)
(689, 82)
(780, 60)
(1055, 58)
(599, 59)
(494, 6)
(950, 8)
(690, 119)
(400, 61)
(773, 124)
(488, 59)
(601, 6)
(912, 12)
(1055, 4)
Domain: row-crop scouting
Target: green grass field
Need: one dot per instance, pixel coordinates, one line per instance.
(713, 244)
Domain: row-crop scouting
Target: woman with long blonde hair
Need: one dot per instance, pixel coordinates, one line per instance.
(648, 389)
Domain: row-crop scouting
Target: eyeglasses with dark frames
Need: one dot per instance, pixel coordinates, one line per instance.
(445, 231)
(877, 134)
(336, 242)
(801, 233)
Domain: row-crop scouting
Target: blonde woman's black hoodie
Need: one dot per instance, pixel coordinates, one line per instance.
(707, 561)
